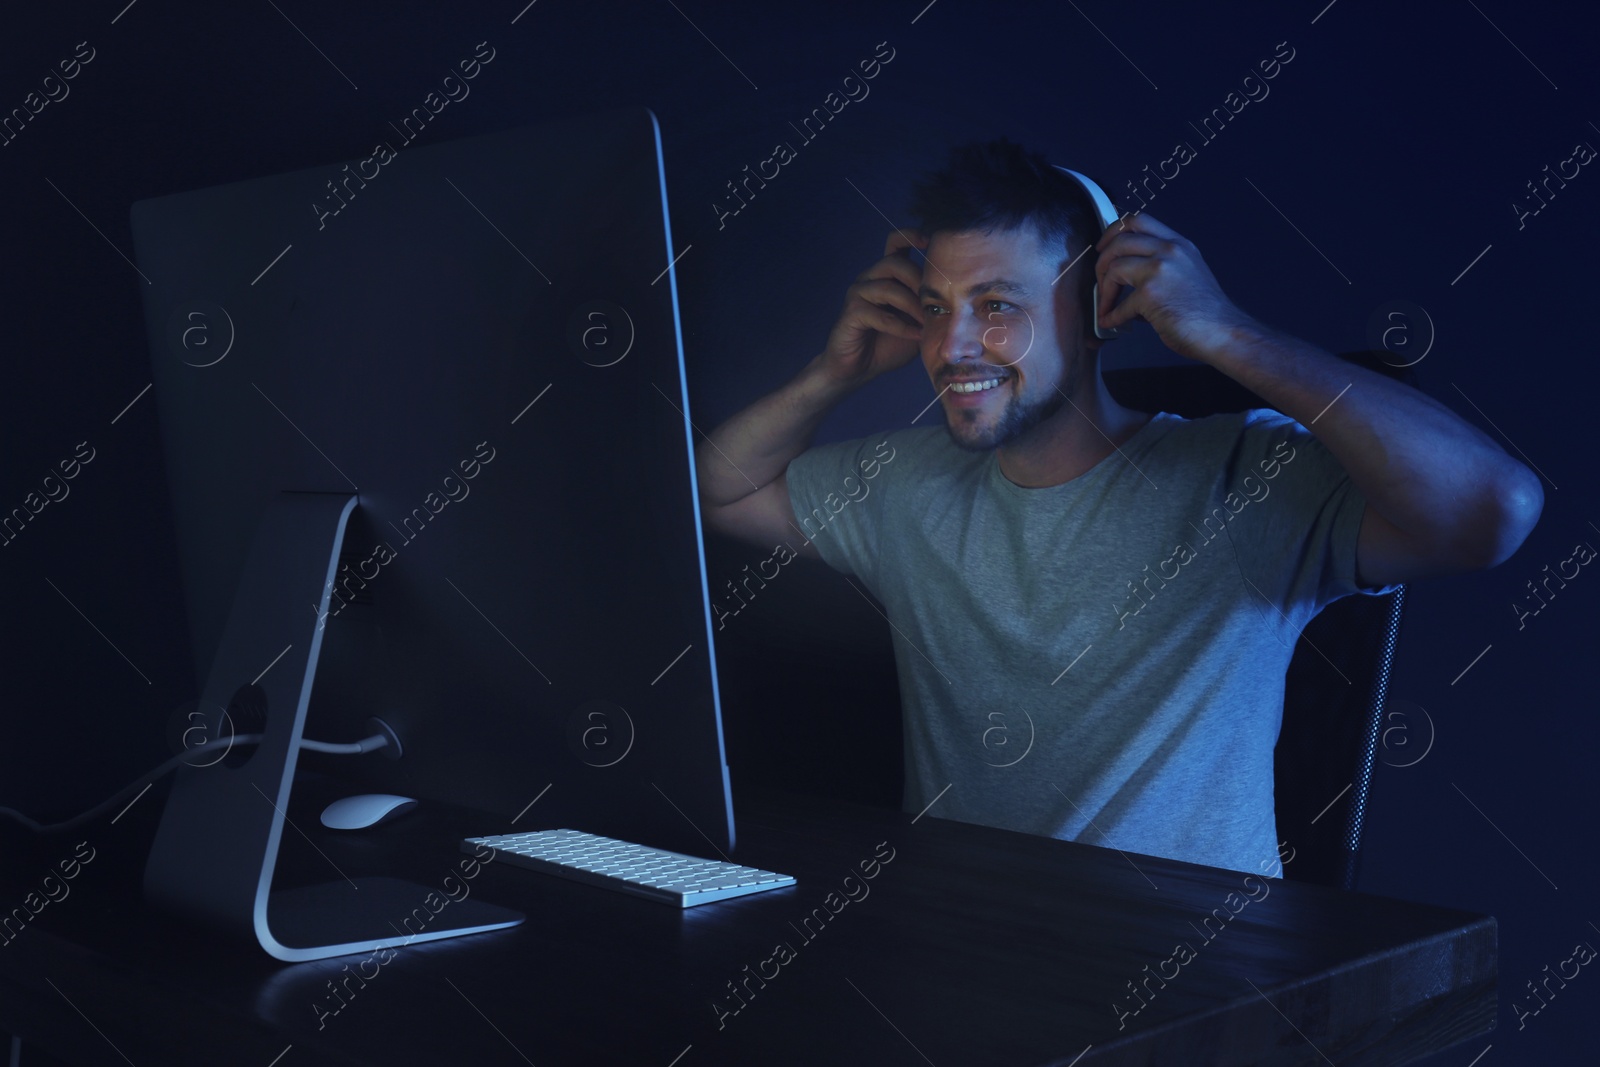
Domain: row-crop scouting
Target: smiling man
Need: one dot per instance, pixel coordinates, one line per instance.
(1093, 608)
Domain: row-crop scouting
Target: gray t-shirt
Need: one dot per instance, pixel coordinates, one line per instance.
(1102, 660)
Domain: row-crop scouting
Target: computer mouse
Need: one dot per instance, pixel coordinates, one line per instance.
(365, 810)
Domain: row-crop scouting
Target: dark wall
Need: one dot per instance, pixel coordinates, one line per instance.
(1382, 166)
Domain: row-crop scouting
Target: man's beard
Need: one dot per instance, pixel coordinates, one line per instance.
(1017, 419)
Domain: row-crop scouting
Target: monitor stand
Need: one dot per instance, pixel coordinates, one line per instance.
(217, 845)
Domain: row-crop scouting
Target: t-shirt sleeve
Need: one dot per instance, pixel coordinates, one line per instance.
(1300, 552)
(838, 504)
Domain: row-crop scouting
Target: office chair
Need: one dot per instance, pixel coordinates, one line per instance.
(1338, 678)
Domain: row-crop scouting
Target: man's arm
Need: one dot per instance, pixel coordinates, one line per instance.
(743, 491)
(741, 465)
(1441, 495)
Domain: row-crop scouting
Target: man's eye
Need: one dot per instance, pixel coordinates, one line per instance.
(933, 309)
(1003, 305)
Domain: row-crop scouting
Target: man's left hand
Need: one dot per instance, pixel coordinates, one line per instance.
(1173, 289)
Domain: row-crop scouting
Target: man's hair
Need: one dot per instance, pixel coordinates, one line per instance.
(999, 185)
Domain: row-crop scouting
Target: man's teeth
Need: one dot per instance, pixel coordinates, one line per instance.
(976, 387)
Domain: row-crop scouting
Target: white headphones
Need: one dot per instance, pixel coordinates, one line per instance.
(1107, 215)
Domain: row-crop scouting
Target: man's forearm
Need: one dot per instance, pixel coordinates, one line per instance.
(1420, 466)
(753, 447)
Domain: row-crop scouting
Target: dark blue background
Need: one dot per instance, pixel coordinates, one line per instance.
(1396, 141)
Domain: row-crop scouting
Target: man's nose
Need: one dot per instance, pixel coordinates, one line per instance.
(963, 338)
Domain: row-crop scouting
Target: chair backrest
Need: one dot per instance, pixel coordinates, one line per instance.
(1338, 678)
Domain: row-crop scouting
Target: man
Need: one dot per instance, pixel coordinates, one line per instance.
(1117, 593)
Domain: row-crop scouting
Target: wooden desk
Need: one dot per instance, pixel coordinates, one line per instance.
(968, 946)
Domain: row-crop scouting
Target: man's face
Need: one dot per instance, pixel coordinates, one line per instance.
(996, 319)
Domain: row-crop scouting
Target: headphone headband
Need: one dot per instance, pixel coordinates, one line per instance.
(1107, 214)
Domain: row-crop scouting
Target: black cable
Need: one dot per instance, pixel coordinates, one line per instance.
(367, 744)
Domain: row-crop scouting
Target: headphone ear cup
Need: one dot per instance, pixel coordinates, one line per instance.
(1094, 304)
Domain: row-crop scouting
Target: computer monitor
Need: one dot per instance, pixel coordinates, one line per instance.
(428, 441)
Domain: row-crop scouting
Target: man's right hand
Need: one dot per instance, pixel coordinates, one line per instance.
(880, 328)
(744, 490)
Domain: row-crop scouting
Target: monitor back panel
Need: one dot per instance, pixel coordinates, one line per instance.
(479, 339)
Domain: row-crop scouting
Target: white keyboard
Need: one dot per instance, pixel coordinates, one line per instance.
(652, 873)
